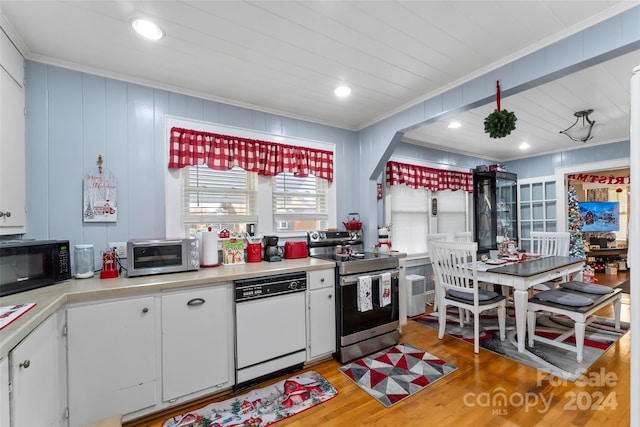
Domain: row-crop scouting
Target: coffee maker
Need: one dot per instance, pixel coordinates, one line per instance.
(272, 252)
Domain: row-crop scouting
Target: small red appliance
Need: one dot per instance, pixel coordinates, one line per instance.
(295, 250)
(109, 261)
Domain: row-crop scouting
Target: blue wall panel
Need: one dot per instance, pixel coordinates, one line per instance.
(37, 152)
(94, 143)
(73, 117)
(65, 154)
(116, 159)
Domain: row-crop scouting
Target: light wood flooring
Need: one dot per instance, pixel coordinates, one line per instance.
(602, 398)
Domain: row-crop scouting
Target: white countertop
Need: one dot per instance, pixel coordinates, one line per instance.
(50, 299)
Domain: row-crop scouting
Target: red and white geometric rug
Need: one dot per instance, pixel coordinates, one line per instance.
(261, 407)
(396, 373)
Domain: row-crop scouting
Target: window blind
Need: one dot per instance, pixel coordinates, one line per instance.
(213, 197)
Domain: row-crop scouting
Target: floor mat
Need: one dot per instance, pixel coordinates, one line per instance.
(396, 373)
(261, 407)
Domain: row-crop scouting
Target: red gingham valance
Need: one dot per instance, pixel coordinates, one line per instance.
(429, 178)
(223, 152)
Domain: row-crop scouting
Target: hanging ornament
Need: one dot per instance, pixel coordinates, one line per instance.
(500, 123)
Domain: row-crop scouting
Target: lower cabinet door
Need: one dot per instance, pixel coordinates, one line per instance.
(196, 337)
(111, 355)
(4, 392)
(322, 323)
(37, 399)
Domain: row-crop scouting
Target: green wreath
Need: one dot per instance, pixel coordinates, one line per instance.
(500, 123)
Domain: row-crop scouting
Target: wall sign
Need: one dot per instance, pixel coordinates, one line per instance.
(100, 201)
(600, 179)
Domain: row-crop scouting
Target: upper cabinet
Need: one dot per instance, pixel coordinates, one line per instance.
(12, 132)
(495, 207)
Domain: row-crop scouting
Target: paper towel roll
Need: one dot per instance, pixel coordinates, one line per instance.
(209, 249)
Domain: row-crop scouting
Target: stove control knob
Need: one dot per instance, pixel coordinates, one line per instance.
(314, 236)
(323, 235)
(293, 285)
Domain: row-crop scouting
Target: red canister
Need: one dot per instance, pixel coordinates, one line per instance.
(254, 252)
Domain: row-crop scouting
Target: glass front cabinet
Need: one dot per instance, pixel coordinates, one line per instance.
(495, 207)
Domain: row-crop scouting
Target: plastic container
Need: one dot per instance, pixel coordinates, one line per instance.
(84, 260)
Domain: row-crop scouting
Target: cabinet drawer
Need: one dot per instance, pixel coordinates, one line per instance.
(319, 279)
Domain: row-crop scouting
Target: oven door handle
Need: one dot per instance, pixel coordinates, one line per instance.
(351, 282)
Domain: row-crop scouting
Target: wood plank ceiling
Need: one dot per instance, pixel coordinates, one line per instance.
(286, 57)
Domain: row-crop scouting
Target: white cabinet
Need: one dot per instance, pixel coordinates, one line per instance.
(197, 341)
(111, 355)
(12, 131)
(4, 392)
(321, 315)
(37, 392)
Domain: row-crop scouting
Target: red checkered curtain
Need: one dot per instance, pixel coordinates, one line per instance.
(223, 152)
(429, 178)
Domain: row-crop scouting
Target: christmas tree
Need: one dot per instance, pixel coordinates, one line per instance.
(576, 248)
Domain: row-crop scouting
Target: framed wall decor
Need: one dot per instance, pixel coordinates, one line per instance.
(100, 199)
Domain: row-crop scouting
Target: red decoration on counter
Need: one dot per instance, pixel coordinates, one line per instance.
(109, 270)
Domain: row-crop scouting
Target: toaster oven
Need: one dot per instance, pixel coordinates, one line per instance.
(159, 256)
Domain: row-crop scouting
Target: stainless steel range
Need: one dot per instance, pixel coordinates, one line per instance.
(367, 286)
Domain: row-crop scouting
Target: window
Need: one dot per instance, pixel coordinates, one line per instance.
(409, 218)
(412, 219)
(222, 198)
(413, 191)
(198, 196)
(537, 207)
(299, 203)
(453, 213)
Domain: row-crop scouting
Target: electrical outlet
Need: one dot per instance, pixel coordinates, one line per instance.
(120, 248)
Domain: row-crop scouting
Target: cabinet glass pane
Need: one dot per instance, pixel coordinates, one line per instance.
(552, 226)
(525, 212)
(538, 226)
(550, 190)
(536, 191)
(483, 212)
(525, 193)
(495, 207)
(551, 210)
(525, 227)
(538, 210)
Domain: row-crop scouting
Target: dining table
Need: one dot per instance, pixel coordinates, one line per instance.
(525, 274)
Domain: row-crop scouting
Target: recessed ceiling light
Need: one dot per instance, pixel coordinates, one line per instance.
(147, 29)
(342, 91)
(524, 146)
(454, 124)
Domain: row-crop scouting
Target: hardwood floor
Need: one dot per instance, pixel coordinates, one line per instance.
(464, 397)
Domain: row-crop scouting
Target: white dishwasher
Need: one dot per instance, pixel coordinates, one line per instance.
(270, 327)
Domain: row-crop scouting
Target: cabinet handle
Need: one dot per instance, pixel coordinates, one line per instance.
(7, 214)
(322, 280)
(330, 296)
(25, 364)
(196, 301)
(145, 310)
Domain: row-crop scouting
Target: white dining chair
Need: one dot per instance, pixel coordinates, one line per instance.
(432, 238)
(463, 236)
(455, 266)
(550, 243)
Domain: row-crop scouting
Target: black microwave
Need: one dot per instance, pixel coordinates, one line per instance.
(26, 265)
